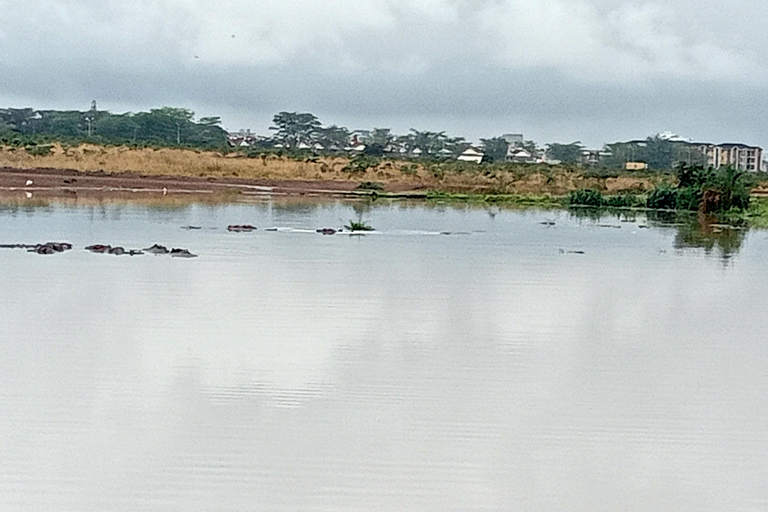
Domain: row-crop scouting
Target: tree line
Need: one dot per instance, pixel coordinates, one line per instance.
(177, 127)
(166, 126)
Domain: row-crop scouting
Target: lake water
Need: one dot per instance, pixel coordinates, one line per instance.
(486, 369)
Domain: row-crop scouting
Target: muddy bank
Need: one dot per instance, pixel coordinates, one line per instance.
(70, 182)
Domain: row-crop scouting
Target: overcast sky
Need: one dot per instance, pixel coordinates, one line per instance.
(556, 70)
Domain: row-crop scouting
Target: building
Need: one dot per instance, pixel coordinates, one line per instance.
(594, 156)
(740, 156)
(513, 139)
(471, 155)
(520, 155)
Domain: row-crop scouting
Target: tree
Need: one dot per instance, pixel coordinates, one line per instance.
(381, 136)
(293, 128)
(117, 127)
(658, 153)
(17, 118)
(495, 149)
(430, 143)
(456, 145)
(332, 137)
(566, 153)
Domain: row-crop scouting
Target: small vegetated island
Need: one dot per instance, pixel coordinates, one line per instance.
(660, 172)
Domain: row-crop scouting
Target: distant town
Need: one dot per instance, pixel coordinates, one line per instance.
(304, 133)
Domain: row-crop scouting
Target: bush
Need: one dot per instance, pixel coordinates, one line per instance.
(361, 164)
(624, 201)
(38, 150)
(663, 198)
(586, 197)
(688, 198)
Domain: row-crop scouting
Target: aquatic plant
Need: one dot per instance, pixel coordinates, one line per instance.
(358, 226)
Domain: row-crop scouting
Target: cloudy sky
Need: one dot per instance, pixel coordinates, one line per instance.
(556, 70)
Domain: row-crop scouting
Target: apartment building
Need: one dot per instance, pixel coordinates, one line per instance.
(740, 156)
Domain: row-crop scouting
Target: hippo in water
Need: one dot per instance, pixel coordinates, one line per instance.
(241, 228)
(157, 249)
(51, 248)
(98, 248)
(182, 253)
(327, 231)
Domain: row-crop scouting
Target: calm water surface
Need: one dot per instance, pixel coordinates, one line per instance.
(488, 369)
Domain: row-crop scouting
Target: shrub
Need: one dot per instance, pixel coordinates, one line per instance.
(662, 198)
(361, 164)
(624, 201)
(688, 198)
(586, 197)
(38, 150)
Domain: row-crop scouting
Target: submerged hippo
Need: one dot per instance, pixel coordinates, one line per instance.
(182, 253)
(157, 249)
(327, 231)
(116, 251)
(238, 228)
(98, 248)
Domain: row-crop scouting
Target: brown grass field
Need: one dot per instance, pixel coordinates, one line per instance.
(393, 175)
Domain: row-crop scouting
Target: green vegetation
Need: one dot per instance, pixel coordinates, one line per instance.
(358, 226)
(361, 163)
(165, 126)
(698, 188)
(565, 153)
(660, 154)
(523, 200)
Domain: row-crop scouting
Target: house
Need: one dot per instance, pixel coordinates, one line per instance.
(520, 155)
(594, 156)
(471, 154)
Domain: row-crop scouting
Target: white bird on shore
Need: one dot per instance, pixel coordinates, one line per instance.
(165, 191)
(29, 183)
(29, 195)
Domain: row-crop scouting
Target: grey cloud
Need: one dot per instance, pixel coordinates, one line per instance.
(586, 69)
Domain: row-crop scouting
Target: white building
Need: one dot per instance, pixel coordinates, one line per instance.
(740, 156)
(471, 154)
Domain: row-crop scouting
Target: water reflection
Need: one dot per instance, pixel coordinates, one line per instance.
(406, 370)
(692, 230)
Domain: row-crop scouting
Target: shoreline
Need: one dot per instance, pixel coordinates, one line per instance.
(49, 183)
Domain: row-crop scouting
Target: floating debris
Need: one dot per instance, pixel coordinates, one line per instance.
(327, 231)
(614, 226)
(240, 228)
